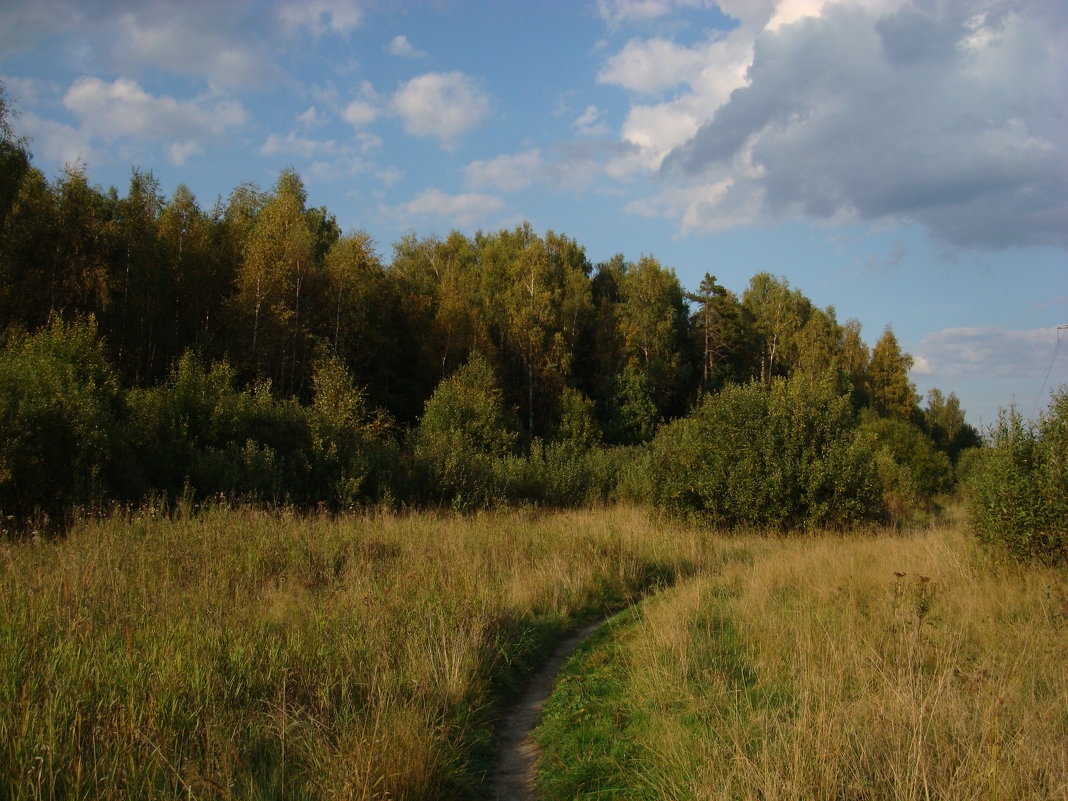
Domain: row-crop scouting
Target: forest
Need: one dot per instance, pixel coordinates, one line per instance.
(285, 519)
(157, 349)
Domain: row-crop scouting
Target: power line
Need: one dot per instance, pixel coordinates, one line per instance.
(1061, 329)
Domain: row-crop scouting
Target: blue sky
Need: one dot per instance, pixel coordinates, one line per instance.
(905, 162)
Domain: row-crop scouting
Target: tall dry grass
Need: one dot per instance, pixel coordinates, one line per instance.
(891, 667)
(248, 654)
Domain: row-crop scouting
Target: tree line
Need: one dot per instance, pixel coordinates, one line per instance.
(204, 331)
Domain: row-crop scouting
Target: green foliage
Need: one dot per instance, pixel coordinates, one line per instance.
(464, 428)
(350, 445)
(577, 424)
(634, 417)
(1018, 491)
(199, 432)
(892, 393)
(944, 420)
(60, 406)
(911, 468)
(783, 455)
(588, 726)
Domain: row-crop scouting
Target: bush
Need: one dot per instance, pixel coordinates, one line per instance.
(1018, 489)
(353, 458)
(465, 430)
(782, 455)
(60, 406)
(199, 433)
(911, 468)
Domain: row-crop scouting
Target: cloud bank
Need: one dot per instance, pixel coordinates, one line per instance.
(951, 115)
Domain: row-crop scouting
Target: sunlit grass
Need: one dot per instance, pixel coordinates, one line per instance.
(249, 654)
(889, 667)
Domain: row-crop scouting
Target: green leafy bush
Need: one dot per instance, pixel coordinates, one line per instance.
(911, 468)
(783, 455)
(464, 431)
(60, 406)
(198, 432)
(1018, 489)
(353, 458)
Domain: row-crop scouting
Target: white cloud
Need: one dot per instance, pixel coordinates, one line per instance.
(179, 152)
(987, 351)
(56, 141)
(400, 46)
(187, 42)
(921, 366)
(360, 113)
(589, 123)
(319, 17)
(455, 210)
(441, 105)
(506, 173)
(312, 118)
(123, 109)
(28, 92)
(950, 117)
(618, 12)
(228, 43)
(652, 66)
(296, 145)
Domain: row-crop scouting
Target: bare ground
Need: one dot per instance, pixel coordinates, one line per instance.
(518, 755)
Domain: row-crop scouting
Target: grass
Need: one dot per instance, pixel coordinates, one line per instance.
(247, 654)
(886, 667)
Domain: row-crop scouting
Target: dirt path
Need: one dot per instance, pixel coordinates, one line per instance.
(514, 778)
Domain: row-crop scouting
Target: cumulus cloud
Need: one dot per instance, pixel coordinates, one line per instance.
(441, 105)
(951, 116)
(986, 351)
(57, 141)
(400, 46)
(360, 113)
(225, 42)
(312, 118)
(652, 66)
(456, 210)
(506, 173)
(122, 108)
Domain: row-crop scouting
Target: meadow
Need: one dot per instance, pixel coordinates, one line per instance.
(898, 666)
(252, 654)
(245, 654)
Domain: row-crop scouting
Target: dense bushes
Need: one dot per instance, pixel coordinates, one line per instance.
(911, 469)
(60, 406)
(1018, 487)
(784, 455)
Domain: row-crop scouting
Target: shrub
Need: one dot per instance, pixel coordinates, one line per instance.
(911, 468)
(1018, 490)
(782, 455)
(199, 433)
(465, 428)
(60, 406)
(353, 458)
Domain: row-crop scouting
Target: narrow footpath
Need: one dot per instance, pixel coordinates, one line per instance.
(518, 755)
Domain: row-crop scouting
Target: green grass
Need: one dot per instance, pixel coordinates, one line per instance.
(255, 655)
(889, 667)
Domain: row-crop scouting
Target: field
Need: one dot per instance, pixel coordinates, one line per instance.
(248, 654)
(888, 667)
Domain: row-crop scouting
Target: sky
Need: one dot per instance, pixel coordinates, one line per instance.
(904, 161)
